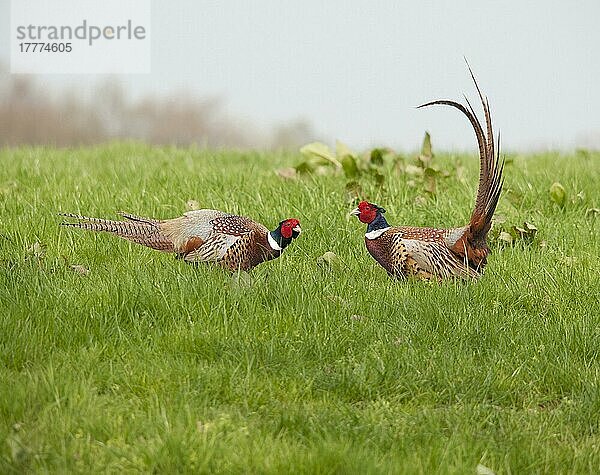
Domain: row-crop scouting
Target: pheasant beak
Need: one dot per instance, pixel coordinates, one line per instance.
(355, 212)
(297, 229)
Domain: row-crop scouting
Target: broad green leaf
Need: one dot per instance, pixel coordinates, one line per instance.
(399, 167)
(288, 172)
(558, 194)
(430, 171)
(319, 149)
(526, 232)
(413, 170)
(305, 167)
(390, 156)
(426, 150)
(483, 470)
(498, 219)
(349, 166)
(329, 260)
(592, 212)
(377, 157)
(430, 177)
(323, 170)
(379, 177)
(506, 237)
(430, 184)
(192, 205)
(342, 150)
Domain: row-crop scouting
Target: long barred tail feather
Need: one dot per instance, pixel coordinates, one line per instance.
(139, 230)
(491, 166)
(134, 217)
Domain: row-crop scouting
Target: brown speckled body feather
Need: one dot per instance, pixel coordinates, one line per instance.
(419, 252)
(249, 251)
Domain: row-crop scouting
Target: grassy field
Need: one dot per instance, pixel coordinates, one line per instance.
(147, 364)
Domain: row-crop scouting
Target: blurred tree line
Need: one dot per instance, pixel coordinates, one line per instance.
(32, 114)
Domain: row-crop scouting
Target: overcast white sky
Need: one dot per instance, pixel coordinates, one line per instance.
(355, 69)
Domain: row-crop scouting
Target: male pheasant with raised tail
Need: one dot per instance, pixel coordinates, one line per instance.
(433, 253)
(206, 235)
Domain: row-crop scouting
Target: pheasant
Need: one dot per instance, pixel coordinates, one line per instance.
(206, 235)
(433, 253)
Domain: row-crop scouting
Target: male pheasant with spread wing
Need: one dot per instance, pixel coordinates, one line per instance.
(206, 235)
(432, 253)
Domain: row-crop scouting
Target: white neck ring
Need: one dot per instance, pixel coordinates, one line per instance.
(273, 243)
(376, 233)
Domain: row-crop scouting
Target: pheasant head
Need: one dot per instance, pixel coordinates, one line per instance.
(367, 212)
(372, 215)
(287, 230)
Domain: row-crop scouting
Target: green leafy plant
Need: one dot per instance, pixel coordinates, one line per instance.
(356, 168)
(508, 234)
(373, 165)
(558, 194)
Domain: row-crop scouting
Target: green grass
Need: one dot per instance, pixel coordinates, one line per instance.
(149, 364)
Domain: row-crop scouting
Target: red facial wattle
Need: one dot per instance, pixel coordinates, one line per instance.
(368, 212)
(287, 228)
(286, 231)
(367, 216)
